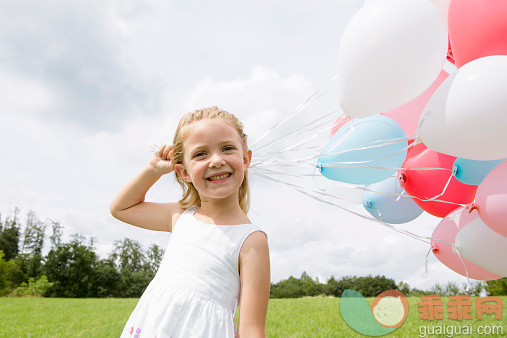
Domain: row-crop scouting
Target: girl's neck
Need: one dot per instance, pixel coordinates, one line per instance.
(223, 212)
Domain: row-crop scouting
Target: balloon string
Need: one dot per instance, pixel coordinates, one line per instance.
(374, 144)
(300, 108)
(299, 162)
(301, 130)
(355, 187)
(457, 251)
(315, 183)
(300, 189)
(267, 156)
(443, 191)
(427, 256)
(389, 226)
(379, 214)
(425, 115)
(454, 215)
(402, 194)
(372, 160)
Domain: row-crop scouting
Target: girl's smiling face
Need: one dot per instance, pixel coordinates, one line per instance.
(214, 159)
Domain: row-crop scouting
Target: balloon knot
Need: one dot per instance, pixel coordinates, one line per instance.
(450, 55)
(472, 206)
(455, 170)
(402, 177)
(435, 248)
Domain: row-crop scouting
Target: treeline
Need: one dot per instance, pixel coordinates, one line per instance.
(371, 286)
(74, 269)
(71, 269)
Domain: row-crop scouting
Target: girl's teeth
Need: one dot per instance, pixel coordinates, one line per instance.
(219, 177)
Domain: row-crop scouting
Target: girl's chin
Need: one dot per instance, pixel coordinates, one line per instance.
(220, 194)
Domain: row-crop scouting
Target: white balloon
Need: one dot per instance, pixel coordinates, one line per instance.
(442, 5)
(390, 53)
(483, 246)
(467, 115)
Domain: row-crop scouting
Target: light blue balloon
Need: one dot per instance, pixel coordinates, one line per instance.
(372, 133)
(471, 171)
(388, 208)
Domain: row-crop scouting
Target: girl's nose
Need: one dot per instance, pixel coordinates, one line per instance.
(216, 160)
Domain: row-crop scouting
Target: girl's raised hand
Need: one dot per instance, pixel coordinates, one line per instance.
(161, 160)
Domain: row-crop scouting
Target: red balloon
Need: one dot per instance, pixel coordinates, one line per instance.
(426, 184)
(446, 230)
(477, 28)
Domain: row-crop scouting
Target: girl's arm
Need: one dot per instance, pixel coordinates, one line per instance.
(255, 277)
(129, 205)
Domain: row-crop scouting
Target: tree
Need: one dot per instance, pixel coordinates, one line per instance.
(9, 236)
(331, 287)
(154, 258)
(288, 288)
(474, 289)
(56, 236)
(135, 269)
(497, 287)
(370, 286)
(33, 236)
(106, 280)
(346, 282)
(133, 284)
(309, 286)
(30, 258)
(3, 275)
(449, 289)
(71, 268)
(404, 288)
(128, 255)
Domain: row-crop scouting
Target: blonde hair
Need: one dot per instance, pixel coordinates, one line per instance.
(190, 196)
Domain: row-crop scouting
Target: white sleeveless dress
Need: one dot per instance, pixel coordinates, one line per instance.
(195, 292)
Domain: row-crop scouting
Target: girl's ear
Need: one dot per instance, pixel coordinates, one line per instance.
(247, 158)
(182, 172)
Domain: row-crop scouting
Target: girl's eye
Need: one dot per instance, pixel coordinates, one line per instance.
(228, 148)
(200, 153)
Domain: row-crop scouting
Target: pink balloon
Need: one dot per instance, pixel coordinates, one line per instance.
(424, 175)
(340, 122)
(477, 28)
(446, 230)
(443, 7)
(407, 115)
(491, 199)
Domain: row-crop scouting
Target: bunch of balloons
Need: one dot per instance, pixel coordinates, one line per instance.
(421, 139)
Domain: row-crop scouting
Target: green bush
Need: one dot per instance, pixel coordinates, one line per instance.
(34, 288)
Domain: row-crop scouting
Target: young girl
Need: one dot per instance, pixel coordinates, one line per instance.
(215, 256)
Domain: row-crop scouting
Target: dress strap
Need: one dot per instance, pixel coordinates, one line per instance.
(190, 210)
(185, 214)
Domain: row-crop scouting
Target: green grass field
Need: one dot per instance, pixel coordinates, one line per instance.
(302, 317)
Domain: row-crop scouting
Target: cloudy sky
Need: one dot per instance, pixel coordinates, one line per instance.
(88, 87)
